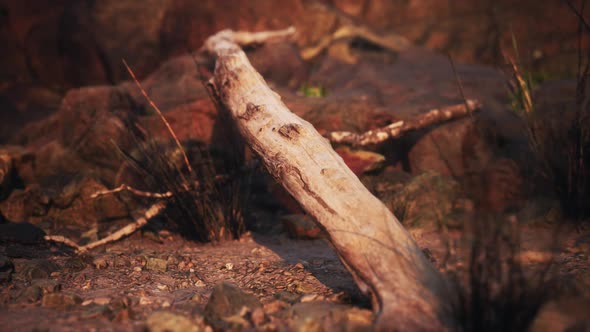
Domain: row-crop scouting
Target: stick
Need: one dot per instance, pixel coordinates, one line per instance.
(137, 192)
(397, 129)
(151, 212)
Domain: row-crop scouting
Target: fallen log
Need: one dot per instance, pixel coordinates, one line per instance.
(408, 293)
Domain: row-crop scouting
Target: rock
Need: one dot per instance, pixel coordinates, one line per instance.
(97, 311)
(30, 204)
(6, 269)
(156, 264)
(164, 321)
(6, 174)
(426, 200)
(279, 63)
(32, 293)
(47, 286)
(361, 161)
(75, 204)
(23, 233)
(38, 269)
(582, 245)
(228, 300)
(100, 263)
(301, 226)
(60, 300)
(325, 316)
(563, 315)
(287, 297)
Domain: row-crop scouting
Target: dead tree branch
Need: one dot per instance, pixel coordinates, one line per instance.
(151, 212)
(408, 293)
(399, 128)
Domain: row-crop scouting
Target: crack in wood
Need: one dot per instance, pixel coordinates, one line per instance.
(312, 193)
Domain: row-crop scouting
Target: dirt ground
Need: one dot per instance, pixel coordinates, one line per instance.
(118, 287)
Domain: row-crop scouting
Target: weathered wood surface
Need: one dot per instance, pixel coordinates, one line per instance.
(408, 293)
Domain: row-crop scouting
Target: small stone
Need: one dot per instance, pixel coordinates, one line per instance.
(304, 288)
(145, 301)
(97, 311)
(6, 269)
(137, 269)
(100, 263)
(164, 321)
(287, 297)
(229, 266)
(60, 300)
(31, 294)
(39, 269)
(122, 262)
(258, 317)
(309, 298)
(4, 299)
(301, 226)
(299, 266)
(156, 264)
(47, 286)
(75, 264)
(275, 306)
(228, 300)
(102, 300)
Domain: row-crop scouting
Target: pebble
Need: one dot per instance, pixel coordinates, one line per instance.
(100, 263)
(60, 300)
(156, 264)
(227, 300)
(6, 269)
(164, 321)
(31, 294)
(39, 269)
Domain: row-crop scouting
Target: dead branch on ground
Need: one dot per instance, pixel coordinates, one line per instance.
(408, 293)
(151, 212)
(399, 128)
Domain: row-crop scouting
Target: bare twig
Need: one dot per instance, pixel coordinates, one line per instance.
(399, 128)
(63, 240)
(151, 212)
(188, 165)
(132, 190)
(391, 42)
(249, 38)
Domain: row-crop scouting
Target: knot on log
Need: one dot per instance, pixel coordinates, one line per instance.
(290, 131)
